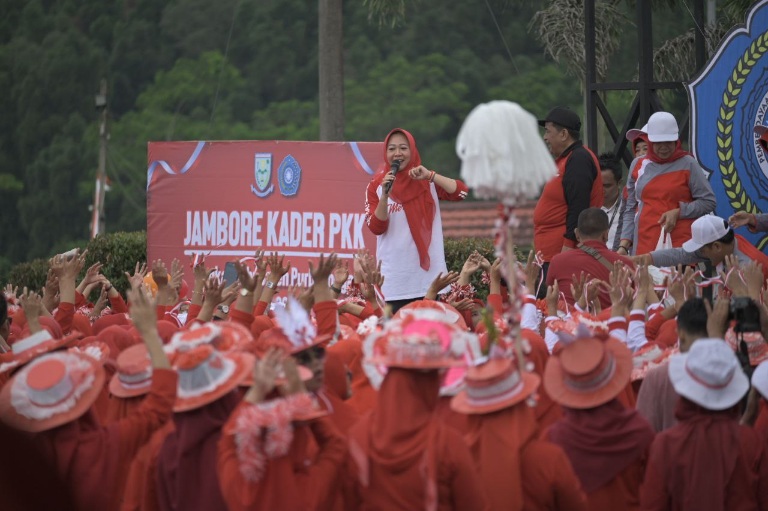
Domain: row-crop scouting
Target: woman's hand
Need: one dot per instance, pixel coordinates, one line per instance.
(388, 178)
(669, 219)
(420, 172)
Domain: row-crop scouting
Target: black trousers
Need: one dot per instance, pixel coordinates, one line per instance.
(396, 304)
(542, 284)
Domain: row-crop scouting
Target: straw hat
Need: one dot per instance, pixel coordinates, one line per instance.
(709, 375)
(205, 375)
(133, 376)
(588, 371)
(50, 391)
(35, 345)
(493, 386)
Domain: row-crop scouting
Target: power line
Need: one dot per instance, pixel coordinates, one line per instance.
(498, 28)
(224, 63)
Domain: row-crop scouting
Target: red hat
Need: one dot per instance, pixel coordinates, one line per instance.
(92, 347)
(433, 311)
(587, 371)
(133, 376)
(493, 386)
(295, 330)
(198, 334)
(650, 355)
(35, 345)
(205, 375)
(52, 390)
(110, 320)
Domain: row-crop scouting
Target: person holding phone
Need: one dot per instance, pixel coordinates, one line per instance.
(402, 209)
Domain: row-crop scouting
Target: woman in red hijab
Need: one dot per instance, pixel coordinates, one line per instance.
(606, 443)
(402, 209)
(404, 458)
(669, 193)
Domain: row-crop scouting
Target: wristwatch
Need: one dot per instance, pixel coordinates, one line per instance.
(270, 285)
(245, 292)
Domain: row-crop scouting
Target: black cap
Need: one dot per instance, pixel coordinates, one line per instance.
(564, 117)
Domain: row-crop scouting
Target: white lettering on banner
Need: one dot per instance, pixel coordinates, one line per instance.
(284, 229)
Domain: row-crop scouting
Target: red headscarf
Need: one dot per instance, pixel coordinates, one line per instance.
(53, 327)
(601, 442)
(166, 329)
(334, 392)
(676, 155)
(186, 466)
(547, 411)
(351, 352)
(117, 339)
(496, 441)
(642, 137)
(82, 324)
(415, 196)
(704, 447)
(109, 320)
(399, 436)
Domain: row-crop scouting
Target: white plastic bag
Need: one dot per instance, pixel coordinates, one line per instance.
(665, 241)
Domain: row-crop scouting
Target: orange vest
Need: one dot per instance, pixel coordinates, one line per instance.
(551, 210)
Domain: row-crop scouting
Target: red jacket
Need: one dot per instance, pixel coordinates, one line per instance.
(576, 187)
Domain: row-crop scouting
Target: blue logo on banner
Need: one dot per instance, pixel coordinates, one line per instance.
(262, 173)
(728, 99)
(289, 176)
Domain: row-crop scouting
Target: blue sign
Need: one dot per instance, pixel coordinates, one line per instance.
(728, 99)
(289, 176)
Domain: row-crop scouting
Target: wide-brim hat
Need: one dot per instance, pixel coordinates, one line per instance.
(760, 379)
(305, 374)
(649, 356)
(35, 345)
(493, 386)
(432, 310)
(275, 337)
(52, 390)
(588, 372)
(133, 375)
(709, 374)
(418, 344)
(206, 375)
(92, 347)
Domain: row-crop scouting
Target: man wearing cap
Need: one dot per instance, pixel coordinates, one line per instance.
(576, 187)
(707, 461)
(592, 257)
(712, 240)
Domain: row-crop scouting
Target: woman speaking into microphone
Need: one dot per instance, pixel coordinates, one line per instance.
(402, 209)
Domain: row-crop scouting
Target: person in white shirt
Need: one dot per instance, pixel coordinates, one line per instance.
(406, 220)
(613, 199)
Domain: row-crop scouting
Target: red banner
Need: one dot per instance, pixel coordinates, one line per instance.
(228, 199)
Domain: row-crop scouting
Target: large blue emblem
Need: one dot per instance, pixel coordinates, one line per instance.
(289, 176)
(728, 99)
(262, 173)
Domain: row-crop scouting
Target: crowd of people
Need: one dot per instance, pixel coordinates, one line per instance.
(592, 376)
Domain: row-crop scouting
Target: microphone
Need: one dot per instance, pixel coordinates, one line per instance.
(394, 169)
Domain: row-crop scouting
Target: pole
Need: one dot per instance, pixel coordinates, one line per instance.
(97, 220)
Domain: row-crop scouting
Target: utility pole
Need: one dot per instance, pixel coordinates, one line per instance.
(97, 221)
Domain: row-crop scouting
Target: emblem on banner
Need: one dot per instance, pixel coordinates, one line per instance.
(262, 170)
(289, 176)
(729, 108)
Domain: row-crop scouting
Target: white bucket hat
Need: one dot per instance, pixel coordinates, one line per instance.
(662, 127)
(760, 379)
(709, 375)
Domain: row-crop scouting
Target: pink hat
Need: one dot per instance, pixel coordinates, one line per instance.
(418, 344)
(634, 133)
(493, 386)
(52, 390)
(133, 376)
(431, 310)
(205, 375)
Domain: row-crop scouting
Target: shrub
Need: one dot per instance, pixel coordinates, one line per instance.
(118, 252)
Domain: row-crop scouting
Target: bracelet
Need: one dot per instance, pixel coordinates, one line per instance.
(336, 290)
(432, 177)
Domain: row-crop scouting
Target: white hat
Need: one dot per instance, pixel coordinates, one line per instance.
(760, 379)
(662, 127)
(705, 230)
(709, 375)
(634, 133)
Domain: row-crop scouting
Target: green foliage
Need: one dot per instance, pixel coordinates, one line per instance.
(118, 252)
(458, 250)
(31, 274)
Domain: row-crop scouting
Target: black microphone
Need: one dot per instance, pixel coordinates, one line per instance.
(394, 169)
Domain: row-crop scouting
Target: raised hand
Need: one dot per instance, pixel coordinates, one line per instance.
(32, 303)
(717, 317)
(753, 275)
(139, 272)
(325, 267)
(340, 273)
(277, 270)
(742, 218)
(244, 277)
(142, 310)
(261, 263)
(578, 284)
(553, 296)
(213, 291)
(11, 292)
(177, 274)
(464, 304)
(531, 272)
(293, 383)
(440, 282)
(159, 273)
(101, 302)
(265, 372)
